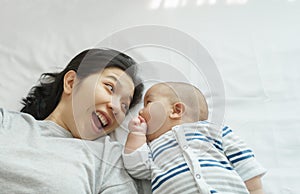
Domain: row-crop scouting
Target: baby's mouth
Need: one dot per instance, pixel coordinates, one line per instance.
(100, 120)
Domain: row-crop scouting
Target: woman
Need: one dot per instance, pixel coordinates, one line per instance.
(47, 148)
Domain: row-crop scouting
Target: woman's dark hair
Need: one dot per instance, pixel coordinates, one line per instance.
(44, 97)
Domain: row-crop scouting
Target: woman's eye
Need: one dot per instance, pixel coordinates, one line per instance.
(125, 107)
(110, 87)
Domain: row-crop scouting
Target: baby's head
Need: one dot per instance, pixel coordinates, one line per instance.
(172, 103)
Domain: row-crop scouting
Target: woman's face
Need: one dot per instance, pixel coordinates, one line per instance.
(100, 103)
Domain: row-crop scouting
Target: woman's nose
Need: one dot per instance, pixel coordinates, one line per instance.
(114, 106)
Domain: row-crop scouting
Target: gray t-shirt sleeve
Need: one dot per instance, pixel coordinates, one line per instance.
(115, 179)
(124, 188)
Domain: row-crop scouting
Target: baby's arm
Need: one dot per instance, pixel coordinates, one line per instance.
(254, 185)
(243, 160)
(137, 135)
(136, 153)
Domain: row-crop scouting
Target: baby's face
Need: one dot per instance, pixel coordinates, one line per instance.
(156, 111)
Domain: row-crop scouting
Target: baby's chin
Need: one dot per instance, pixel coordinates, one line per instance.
(151, 137)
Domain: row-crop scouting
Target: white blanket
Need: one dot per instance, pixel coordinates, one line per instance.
(255, 46)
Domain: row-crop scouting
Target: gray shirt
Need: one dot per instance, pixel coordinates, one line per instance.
(42, 157)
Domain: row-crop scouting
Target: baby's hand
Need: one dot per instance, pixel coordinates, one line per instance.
(138, 124)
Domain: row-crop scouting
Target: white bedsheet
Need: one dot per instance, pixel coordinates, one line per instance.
(255, 45)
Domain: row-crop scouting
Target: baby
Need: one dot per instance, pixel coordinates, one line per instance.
(172, 143)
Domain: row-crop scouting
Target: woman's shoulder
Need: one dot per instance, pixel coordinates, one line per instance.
(12, 113)
(5, 114)
(11, 118)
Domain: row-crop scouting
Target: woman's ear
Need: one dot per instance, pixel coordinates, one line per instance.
(178, 110)
(69, 80)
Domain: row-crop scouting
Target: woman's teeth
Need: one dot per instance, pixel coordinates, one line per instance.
(102, 119)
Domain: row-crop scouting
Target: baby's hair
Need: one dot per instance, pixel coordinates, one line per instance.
(190, 96)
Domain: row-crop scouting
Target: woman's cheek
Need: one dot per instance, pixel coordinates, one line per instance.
(119, 119)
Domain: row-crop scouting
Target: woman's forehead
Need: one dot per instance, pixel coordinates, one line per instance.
(117, 75)
(123, 81)
(114, 70)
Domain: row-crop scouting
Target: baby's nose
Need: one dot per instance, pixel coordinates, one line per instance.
(141, 112)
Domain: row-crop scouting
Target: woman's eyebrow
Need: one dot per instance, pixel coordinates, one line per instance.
(113, 78)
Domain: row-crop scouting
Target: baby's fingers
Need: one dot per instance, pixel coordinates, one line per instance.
(141, 119)
(135, 121)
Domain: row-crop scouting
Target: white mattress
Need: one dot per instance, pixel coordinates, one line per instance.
(254, 45)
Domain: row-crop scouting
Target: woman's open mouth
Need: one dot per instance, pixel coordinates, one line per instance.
(99, 120)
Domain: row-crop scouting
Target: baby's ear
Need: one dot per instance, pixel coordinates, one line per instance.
(177, 111)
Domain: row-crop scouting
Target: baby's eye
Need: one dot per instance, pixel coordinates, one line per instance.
(147, 102)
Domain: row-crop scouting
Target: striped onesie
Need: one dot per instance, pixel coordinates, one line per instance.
(195, 158)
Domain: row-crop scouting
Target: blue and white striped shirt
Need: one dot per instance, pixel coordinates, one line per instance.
(195, 158)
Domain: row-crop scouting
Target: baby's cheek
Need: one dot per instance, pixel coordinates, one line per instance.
(157, 117)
